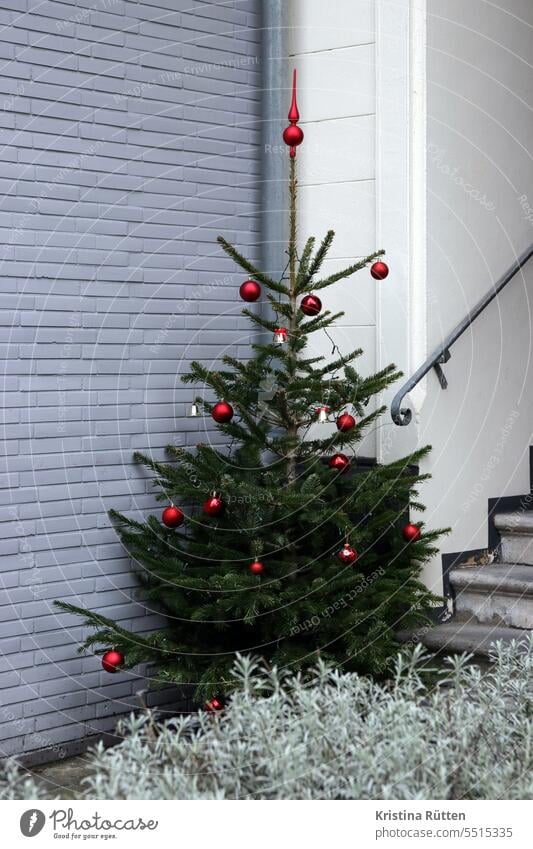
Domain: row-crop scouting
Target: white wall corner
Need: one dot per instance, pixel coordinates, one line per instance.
(418, 195)
(401, 201)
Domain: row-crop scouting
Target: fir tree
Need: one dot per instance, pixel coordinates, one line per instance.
(284, 506)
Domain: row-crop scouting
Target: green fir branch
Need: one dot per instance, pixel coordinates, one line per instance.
(252, 270)
(316, 263)
(345, 272)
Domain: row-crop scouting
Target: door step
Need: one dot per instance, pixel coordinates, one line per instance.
(492, 602)
(457, 637)
(516, 531)
(499, 594)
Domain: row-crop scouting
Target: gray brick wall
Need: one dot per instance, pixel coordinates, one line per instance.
(129, 137)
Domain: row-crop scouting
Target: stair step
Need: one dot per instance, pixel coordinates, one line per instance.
(500, 593)
(468, 637)
(516, 530)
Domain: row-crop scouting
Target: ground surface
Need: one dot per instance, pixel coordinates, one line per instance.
(63, 779)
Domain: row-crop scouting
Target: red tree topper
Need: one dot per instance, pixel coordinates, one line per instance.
(293, 135)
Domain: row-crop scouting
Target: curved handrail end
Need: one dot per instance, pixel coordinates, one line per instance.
(400, 415)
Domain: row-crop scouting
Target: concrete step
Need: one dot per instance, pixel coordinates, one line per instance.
(501, 593)
(516, 530)
(456, 637)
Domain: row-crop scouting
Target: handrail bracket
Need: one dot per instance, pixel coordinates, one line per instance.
(444, 357)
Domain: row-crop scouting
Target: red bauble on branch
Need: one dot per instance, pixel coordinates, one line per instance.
(411, 533)
(250, 291)
(347, 554)
(213, 506)
(311, 305)
(379, 270)
(112, 660)
(339, 462)
(172, 516)
(214, 705)
(256, 567)
(222, 412)
(345, 422)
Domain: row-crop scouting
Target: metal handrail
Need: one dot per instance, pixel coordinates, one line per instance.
(402, 415)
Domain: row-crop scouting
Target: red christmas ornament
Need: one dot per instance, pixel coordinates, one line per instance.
(172, 516)
(345, 422)
(311, 305)
(411, 533)
(222, 412)
(112, 660)
(250, 291)
(214, 704)
(347, 554)
(213, 506)
(339, 462)
(280, 335)
(256, 567)
(379, 270)
(293, 135)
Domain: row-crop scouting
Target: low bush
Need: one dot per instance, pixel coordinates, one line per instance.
(337, 736)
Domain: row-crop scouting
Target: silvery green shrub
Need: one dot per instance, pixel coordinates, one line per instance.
(338, 736)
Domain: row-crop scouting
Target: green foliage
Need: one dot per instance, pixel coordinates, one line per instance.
(284, 505)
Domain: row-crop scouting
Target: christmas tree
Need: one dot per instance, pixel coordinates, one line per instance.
(283, 546)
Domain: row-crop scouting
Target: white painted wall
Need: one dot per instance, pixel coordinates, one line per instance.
(479, 130)
(334, 52)
(418, 119)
